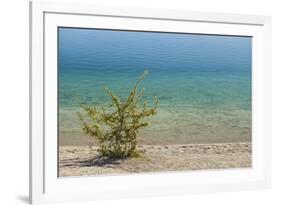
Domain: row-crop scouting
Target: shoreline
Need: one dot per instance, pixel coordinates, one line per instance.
(79, 139)
(84, 160)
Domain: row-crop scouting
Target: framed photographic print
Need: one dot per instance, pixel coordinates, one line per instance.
(129, 102)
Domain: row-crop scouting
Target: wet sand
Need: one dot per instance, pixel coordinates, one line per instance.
(157, 138)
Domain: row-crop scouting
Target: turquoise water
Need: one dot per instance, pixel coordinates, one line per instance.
(203, 81)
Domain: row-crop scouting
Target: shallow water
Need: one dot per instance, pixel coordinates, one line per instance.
(203, 81)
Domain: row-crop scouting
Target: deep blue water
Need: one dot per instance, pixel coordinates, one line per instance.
(203, 81)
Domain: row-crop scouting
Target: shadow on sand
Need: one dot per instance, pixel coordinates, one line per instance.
(100, 162)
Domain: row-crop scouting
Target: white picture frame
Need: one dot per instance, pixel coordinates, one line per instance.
(46, 187)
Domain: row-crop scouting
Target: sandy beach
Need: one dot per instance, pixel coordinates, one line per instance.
(198, 102)
(84, 160)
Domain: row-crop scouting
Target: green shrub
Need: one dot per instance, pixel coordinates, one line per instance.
(116, 130)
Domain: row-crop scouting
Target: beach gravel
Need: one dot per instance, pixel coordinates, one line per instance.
(85, 161)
